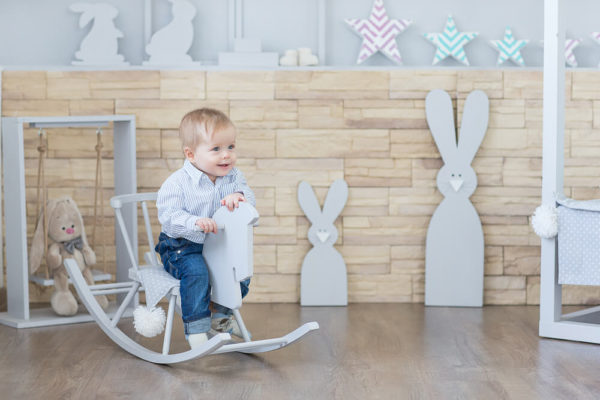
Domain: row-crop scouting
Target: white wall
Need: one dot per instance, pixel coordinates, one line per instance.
(46, 33)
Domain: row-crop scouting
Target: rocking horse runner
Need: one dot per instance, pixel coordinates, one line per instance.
(229, 257)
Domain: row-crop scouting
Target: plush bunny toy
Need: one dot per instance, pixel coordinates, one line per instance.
(323, 281)
(67, 240)
(454, 246)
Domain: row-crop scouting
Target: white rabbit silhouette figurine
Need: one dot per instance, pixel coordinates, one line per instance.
(100, 46)
(454, 248)
(323, 280)
(170, 44)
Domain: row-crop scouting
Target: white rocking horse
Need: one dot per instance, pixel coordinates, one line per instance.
(229, 257)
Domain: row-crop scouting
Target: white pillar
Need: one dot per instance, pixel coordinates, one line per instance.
(553, 151)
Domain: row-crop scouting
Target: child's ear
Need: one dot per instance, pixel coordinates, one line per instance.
(188, 153)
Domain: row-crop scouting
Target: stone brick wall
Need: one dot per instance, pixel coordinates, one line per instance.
(367, 127)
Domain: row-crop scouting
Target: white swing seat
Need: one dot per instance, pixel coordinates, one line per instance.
(229, 258)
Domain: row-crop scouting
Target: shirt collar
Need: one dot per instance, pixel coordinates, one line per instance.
(197, 175)
(193, 172)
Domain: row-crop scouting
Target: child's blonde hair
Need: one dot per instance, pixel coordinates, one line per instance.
(201, 124)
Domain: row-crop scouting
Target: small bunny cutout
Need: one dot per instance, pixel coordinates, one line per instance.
(454, 247)
(100, 46)
(323, 280)
(169, 46)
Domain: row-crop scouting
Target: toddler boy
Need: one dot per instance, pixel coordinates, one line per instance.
(186, 202)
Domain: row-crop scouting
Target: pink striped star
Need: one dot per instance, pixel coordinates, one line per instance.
(570, 45)
(379, 33)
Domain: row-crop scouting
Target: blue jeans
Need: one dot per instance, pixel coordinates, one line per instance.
(183, 259)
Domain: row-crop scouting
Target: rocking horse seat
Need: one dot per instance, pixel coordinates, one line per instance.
(156, 282)
(578, 241)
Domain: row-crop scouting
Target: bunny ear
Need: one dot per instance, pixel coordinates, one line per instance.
(74, 205)
(440, 118)
(50, 207)
(308, 202)
(474, 124)
(335, 200)
(36, 251)
(86, 13)
(79, 7)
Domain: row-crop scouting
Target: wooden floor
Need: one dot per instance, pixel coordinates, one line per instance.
(364, 351)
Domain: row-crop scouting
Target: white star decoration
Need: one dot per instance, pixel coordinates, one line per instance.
(450, 42)
(379, 33)
(509, 48)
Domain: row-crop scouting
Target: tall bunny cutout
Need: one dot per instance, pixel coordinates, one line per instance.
(170, 44)
(100, 46)
(323, 281)
(454, 248)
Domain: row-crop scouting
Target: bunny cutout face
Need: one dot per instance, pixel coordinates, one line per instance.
(457, 177)
(322, 231)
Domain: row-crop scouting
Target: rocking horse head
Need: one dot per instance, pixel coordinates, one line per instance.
(229, 253)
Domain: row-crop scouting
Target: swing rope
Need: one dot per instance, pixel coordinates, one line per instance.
(98, 192)
(42, 194)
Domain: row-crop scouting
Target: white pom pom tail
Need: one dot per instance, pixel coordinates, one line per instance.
(149, 322)
(545, 221)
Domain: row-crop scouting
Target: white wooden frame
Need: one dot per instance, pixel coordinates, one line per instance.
(582, 325)
(17, 272)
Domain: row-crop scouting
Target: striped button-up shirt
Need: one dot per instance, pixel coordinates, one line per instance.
(188, 194)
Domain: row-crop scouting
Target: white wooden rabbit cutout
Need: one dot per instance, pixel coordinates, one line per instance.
(323, 281)
(100, 46)
(454, 249)
(171, 44)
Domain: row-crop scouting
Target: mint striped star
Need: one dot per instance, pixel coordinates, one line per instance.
(509, 48)
(450, 42)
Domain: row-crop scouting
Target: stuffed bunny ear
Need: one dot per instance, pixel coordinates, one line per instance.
(335, 200)
(440, 118)
(308, 202)
(51, 206)
(74, 205)
(474, 124)
(36, 251)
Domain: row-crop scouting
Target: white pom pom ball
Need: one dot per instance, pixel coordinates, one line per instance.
(149, 322)
(545, 221)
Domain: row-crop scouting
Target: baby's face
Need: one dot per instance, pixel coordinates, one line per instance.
(216, 157)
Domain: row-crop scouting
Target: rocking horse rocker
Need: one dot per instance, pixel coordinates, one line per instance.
(229, 257)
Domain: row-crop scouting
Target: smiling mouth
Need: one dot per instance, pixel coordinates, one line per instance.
(223, 165)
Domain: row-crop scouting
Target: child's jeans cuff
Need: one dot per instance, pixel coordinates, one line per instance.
(199, 326)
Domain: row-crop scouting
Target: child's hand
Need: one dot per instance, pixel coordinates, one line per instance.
(207, 225)
(233, 200)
